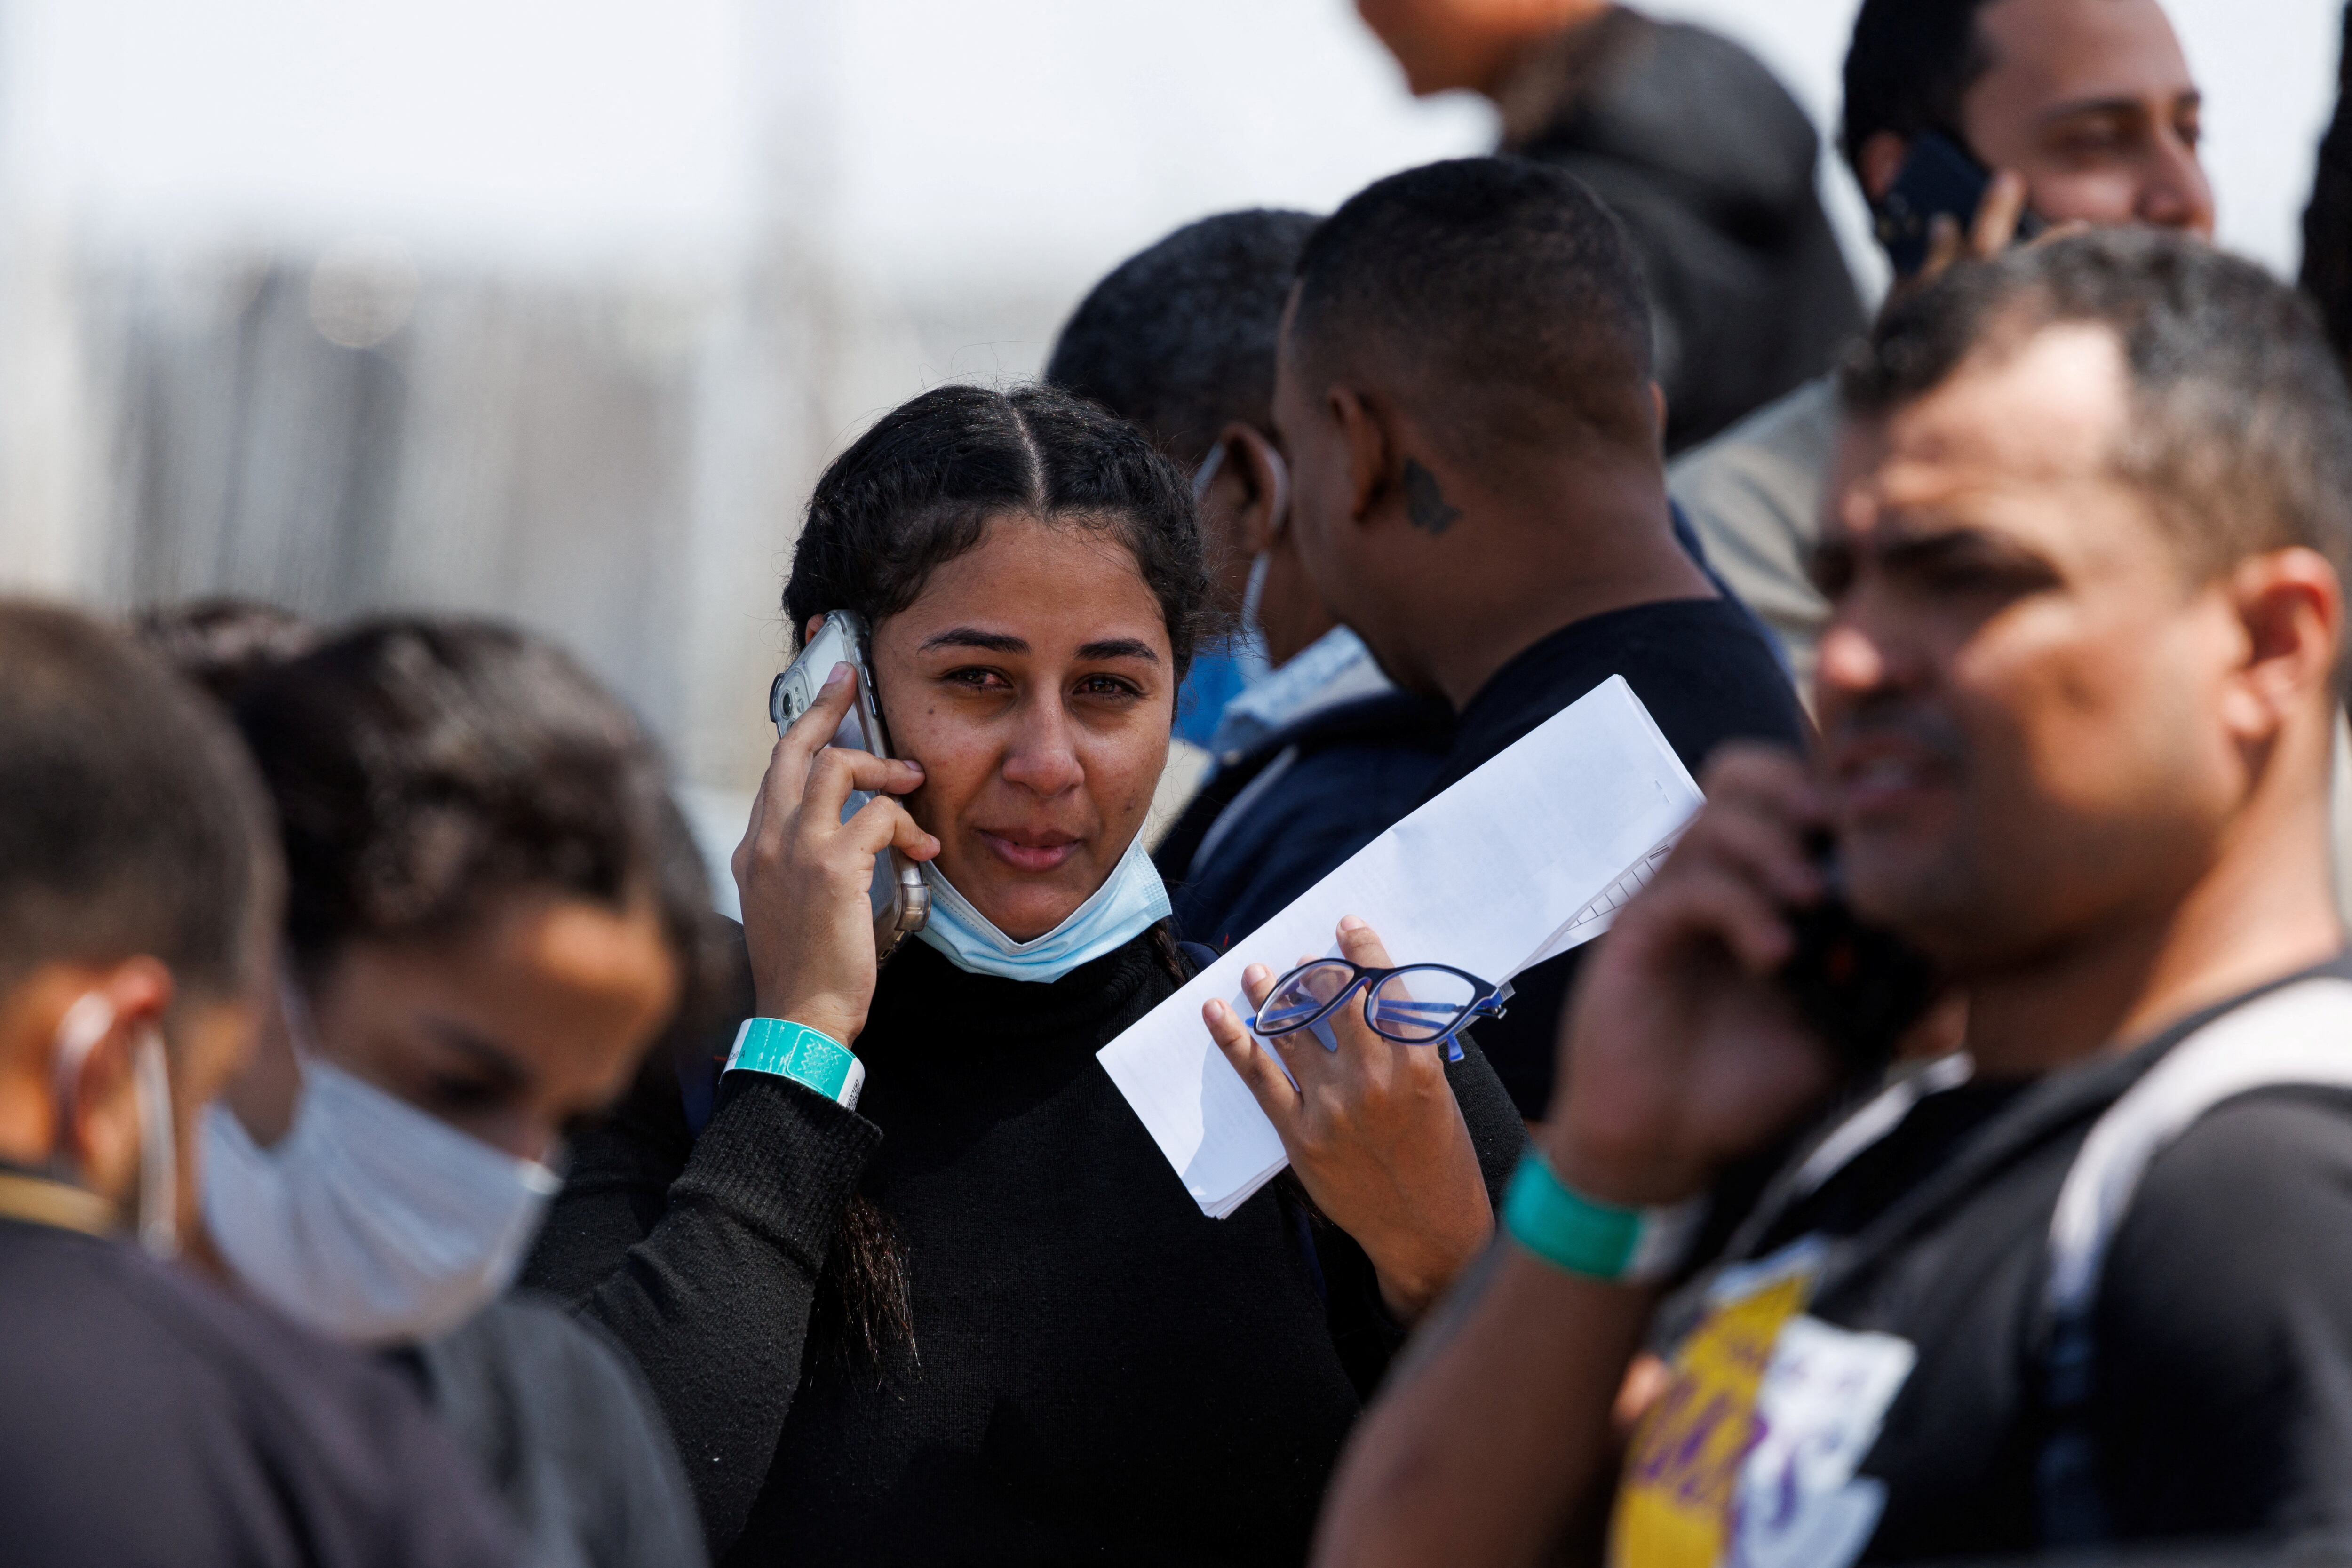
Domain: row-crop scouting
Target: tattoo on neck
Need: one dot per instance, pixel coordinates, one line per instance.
(1424, 502)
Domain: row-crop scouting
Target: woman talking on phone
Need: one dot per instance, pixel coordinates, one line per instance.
(975, 1316)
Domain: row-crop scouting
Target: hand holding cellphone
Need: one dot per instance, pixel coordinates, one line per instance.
(1941, 178)
(1858, 987)
(901, 899)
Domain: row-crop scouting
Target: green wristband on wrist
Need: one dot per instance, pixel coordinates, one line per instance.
(808, 1057)
(1596, 1240)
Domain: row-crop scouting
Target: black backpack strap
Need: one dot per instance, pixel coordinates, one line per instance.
(2300, 1034)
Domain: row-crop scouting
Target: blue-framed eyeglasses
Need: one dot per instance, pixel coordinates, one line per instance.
(1415, 1005)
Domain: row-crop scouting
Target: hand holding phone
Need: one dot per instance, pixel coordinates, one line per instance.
(1682, 1050)
(810, 856)
(1859, 987)
(1942, 179)
(901, 898)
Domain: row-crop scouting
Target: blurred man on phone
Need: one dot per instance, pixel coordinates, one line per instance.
(2082, 111)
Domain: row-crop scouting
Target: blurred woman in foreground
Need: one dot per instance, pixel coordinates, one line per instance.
(486, 920)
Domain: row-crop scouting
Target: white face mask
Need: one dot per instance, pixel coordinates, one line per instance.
(85, 1024)
(1254, 595)
(1131, 901)
(371, 1221)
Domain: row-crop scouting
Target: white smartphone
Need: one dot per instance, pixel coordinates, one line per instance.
(902, 901)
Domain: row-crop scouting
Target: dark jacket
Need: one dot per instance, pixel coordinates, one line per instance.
(146, 1417)
(1711, 167)
(1302, 802)
(1097, 1371)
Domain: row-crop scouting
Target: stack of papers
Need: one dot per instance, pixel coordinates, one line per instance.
(1520, 861)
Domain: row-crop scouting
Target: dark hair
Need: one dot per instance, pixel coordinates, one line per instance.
(918, 490)
(2328, 221)
(2240, 430)
(424, 766)
(221, 644)
(1503, 289)
(1180, 339)
(1909, 67)
(130, 822)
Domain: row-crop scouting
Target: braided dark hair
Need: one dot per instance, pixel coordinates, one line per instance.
(918, 488)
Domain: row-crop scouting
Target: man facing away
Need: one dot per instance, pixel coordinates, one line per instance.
(1698, 150)
(144, 1417)
(1464, 390)
(2088, 1280)
(2087, 110)
(1317, 757)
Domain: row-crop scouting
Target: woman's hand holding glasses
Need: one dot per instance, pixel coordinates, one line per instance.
(1371, 1126)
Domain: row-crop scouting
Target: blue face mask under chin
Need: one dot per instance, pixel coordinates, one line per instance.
(1129, 902)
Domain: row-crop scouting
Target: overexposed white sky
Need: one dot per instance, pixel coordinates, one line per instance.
(925, 142)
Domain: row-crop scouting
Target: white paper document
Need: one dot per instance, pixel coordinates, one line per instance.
(1525, 859)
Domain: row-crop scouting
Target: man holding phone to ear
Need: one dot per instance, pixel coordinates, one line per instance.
(2077, 112)
(2085, 1284)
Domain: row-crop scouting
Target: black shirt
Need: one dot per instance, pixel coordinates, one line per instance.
(2222, 1400)
(149, 1421)
(1711, 167)
(1306, 799)
(1706, 674)
(1098, 1371)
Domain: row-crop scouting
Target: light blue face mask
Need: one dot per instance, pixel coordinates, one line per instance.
(1129, 903)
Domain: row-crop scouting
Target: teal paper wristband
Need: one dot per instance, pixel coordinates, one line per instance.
(808, 1057)
(1598, 1241)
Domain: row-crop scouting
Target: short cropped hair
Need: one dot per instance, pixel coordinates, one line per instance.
(130, 821)
(2240, 430)
(1502, 288)
(1909, 67)
(1180, 339)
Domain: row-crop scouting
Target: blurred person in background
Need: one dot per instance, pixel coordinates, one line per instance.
(144, 1417)
(924, 1288)
(2327, 222)
(2086, 111)
(222, 643)
(1700, 152)
(1319, 757)
(1464, 390)
(487, 919)
(1166, 342)
(2086, 1283)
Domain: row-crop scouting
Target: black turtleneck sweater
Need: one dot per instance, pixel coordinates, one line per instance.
(1098, 1371)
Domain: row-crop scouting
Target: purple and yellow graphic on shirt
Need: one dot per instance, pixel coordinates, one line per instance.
(1673, 1505)
(1749, 1458)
